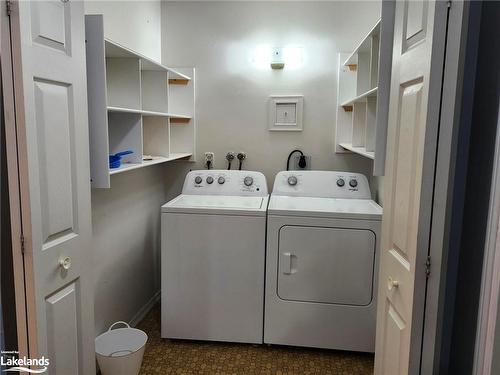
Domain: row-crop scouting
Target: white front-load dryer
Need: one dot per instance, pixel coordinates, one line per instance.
(213, 257)
(323, 238)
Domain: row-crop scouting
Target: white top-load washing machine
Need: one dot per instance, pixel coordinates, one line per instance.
(322, 258)
(213, 257)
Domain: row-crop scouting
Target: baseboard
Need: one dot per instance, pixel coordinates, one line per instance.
(141, 314)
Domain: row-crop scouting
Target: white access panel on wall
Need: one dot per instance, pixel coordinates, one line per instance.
(285, 113)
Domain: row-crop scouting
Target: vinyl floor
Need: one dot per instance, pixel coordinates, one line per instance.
(164, 356)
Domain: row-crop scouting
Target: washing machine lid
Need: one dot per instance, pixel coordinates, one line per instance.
(337, 208)
(217, 204)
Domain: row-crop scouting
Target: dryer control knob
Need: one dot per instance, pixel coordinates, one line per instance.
(340, 182)
(198, 180)
(221, 180)
(353, 183)
(210, 180)
(248, 181)
(292, 180)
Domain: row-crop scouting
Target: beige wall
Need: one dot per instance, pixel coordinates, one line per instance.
(126, 240)
(134, 24)
(219, 39)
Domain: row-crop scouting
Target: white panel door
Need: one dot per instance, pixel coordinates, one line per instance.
(51, 111)
(418, 52)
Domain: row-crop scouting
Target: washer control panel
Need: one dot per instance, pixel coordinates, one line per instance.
(225, 182)
(326, 184)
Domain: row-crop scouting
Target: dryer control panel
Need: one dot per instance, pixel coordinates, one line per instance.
(324, 184)
(225, 182)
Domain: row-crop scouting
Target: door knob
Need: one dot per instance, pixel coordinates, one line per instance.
(65, 263)
(391, 283)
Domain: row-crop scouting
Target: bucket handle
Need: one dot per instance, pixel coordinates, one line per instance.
(119, 322)
(121, 351)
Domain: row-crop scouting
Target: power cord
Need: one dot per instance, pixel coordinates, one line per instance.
(302, 159)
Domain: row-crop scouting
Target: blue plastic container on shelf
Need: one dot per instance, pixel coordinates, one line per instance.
(116, 160)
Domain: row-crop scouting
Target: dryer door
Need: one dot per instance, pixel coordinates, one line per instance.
(326, 265)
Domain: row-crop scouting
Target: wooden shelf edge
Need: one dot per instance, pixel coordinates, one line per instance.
(358, 150)
(146, 163)
(180, 120)
(178, 81)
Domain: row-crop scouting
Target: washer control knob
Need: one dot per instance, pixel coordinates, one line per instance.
(221, 180)
(198, 180)
(353, 183)
(292, 180)
(210, 180)
(340, 182)
(248, 181)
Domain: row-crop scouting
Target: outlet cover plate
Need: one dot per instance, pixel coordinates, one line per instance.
(295, 165)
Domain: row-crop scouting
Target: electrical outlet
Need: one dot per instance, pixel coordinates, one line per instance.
(209, 159)
(296, 160)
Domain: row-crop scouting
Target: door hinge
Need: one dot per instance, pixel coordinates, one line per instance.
(22, 243)
(428, 266)
(9, 7)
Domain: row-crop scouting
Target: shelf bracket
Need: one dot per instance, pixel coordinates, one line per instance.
(347, 108)
(179, 120)
(178, 81)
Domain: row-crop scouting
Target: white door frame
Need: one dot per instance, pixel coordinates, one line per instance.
(443, 186)
(14, 156)
(23, 195)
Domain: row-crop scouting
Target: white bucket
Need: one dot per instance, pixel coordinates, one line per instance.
(120, 351)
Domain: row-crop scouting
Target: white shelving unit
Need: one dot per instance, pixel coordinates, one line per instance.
(156, 160)
(135, 104)
(358, 89)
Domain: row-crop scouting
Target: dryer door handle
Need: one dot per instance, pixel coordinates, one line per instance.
(288, 263)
